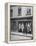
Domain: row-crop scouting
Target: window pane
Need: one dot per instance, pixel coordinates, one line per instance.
(19, 11)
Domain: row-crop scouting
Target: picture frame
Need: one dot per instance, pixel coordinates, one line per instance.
(15, 19)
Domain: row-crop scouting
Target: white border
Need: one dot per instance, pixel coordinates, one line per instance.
(9, 22)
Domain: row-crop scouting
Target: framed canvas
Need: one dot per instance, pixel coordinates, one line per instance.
(20, 22)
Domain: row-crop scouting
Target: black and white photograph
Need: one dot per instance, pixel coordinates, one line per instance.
(21, 20)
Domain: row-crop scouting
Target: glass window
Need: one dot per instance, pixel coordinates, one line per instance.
(28, 11)
(11, 12)
(19, 11)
